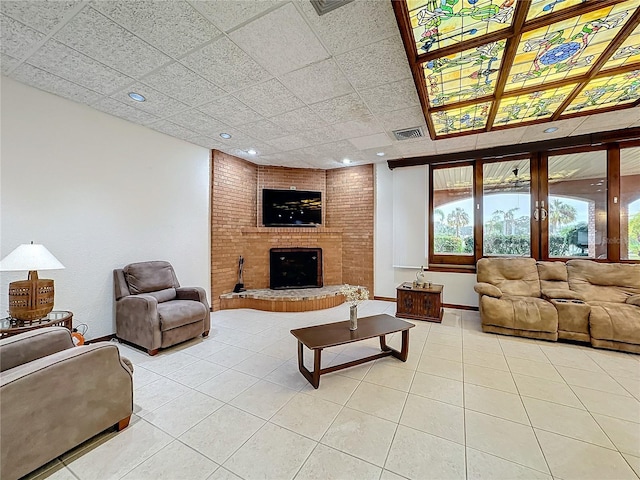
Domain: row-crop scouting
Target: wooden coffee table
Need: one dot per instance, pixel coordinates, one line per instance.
(327, 335)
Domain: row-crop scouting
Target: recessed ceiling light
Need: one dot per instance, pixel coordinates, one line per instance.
(551, 130)
(225, 135)
(380, 154)
(137, 97)
(251, 151)
(346, 161)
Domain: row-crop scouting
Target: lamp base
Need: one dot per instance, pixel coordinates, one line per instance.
(30, 299)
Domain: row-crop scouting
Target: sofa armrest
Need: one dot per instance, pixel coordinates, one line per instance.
(484, 288)
(54, 403)
(137, 320)
(633, 300)
(192, 293)
(28, 346)
(561, 293)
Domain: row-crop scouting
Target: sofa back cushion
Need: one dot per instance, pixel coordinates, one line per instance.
(604, 282)
(145, 277)
(514, 276)
(553, 275)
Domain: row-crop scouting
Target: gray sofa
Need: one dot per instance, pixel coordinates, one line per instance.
(153, 311)
(581, 300)
(54, 396)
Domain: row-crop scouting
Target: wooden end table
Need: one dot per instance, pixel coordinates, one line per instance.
(11, 326)
(327, 335)
(419, 303)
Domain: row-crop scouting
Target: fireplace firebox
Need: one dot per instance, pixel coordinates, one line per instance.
(295, 268)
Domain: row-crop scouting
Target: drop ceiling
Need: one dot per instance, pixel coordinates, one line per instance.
(300, 89)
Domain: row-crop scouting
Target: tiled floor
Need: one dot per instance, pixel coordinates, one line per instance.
(466, 405)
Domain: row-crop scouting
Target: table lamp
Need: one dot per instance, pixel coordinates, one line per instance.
(30, 299)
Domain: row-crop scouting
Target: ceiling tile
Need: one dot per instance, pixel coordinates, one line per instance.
(42, 16)
(172, 129)
(17, 39)
(206, 142)
(358, 128)
(298, 120)
(224, 64)
(494, 138)
(390, 153)
(290, 142)
(535, 133)
(377, 64)
(608, 121)
(230, 110)
(269, 98)
(353, 25)
(65, 62)
(263, 130)
(179, 82)
(7, 63)
(371, 141)
(318, 82)
(456, 144)
(229, 14)
(281, 41)
(320, 135)
(156, 103)
(198, 122)
(51, 83)
(342, 109)
(119, 109)
(238, 139)
(95, 35)
(391, 96)
(401, 119)
(410, 149)
(183, 28)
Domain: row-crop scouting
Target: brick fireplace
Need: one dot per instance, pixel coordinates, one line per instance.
(345, 237)
(295, 268)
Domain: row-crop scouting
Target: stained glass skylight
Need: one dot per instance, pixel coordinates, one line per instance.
(489, 64)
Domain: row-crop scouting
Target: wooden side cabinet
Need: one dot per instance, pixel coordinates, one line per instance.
(419, 303)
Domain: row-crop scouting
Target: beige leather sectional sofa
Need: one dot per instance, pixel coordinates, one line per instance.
(578, 300)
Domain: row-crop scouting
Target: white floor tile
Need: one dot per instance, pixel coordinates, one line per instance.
(546, 390)
(534, 369)
(438, 388)
(572, 459)
(377, 400)
(333, 387)
(495, 402)
(155, 394)
(485, 359)
(263, 399)
(634, 462)
(325, 463)
(258, 365)
(176, 461)
(415, 454)
(505, 439)
(223, 474)
(624, 435)
(272, 452)
(288, 375)
(227, 385)
(592, 380)
(197, 373)
(230, 356)
(440, 367)
(437, 418)
(360, 434)
(605, 403)
(307, 415)
(488, 377)
(483, 466)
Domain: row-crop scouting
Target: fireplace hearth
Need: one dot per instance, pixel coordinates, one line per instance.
(295, 268)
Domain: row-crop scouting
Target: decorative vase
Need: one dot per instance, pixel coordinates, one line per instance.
(353, 317)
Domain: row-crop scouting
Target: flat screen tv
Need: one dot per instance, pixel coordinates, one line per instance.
(285, 208)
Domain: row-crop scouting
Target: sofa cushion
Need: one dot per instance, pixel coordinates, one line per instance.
(145, 277)
(180, 312)
(164, 295)
(633, 300)
(555, 271)
(565, 293)
(603, 282)
(519, 313)
(513, 276)
(487, 289)
(615, 322)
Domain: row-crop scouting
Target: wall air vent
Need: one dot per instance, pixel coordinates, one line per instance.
(324, 6)
(408, 133)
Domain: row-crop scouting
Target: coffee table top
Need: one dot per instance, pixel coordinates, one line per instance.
(338, 333)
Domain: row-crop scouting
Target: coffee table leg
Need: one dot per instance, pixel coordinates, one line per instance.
(383, 344)
(405, 346)
(312, 377)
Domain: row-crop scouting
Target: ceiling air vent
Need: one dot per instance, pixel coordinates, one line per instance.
(324, 6)
(408, 133)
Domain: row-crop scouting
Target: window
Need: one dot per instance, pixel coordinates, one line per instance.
(630, 203)
(452, 214)
(568, 204)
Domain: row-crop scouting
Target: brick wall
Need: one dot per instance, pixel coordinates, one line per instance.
(346, 237)
(349, 207)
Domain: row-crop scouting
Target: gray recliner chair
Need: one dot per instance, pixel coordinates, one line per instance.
(153, 311)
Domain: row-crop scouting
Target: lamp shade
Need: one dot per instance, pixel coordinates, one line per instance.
(28, 257)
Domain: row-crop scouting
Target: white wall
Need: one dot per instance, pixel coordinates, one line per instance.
(98, 192)
(458, 287)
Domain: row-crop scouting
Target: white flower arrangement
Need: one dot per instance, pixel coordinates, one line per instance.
(355, 294)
